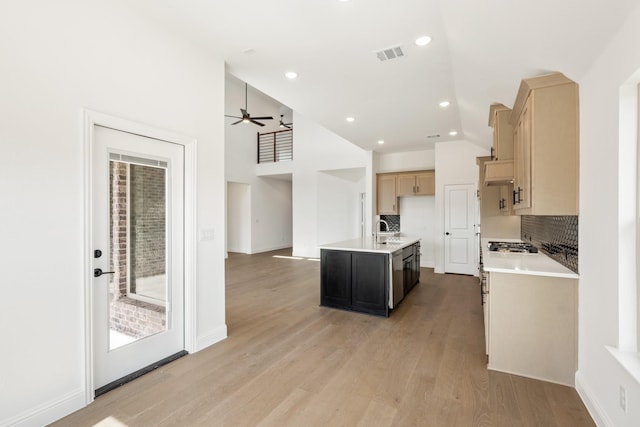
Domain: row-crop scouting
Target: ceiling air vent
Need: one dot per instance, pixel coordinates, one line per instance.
(391, 53)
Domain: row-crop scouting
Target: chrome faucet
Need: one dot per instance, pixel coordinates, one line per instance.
(376, 228)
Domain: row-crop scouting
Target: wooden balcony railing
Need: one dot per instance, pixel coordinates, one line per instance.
(275, 146)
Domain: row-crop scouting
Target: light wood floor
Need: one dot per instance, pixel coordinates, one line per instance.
(289, 362)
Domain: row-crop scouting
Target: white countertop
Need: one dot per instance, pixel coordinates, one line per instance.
(368, 244)
(516, 263)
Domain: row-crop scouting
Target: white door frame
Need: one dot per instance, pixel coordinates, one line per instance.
(91, 119)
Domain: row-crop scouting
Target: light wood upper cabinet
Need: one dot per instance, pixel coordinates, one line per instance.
(505, 203)
(387, 196)
(426, 183)
(416, 183)
(405, 184)
(499, 116)
(546, 146)
(394, 185)
(499, 171)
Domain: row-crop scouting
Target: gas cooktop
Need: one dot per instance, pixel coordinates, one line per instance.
(513, 247)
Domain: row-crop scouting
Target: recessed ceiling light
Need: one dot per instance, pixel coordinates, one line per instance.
(453, 133)
(423, 41)
(291, 75)
(381, 142)
(350, 119)
(444, 104)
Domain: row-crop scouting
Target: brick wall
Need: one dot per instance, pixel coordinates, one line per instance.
(146, 186)
(147, 221)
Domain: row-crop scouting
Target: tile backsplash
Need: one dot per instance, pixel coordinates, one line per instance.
(393, 221)
(556, 236)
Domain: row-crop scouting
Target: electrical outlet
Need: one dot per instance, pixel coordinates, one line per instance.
(623, 399)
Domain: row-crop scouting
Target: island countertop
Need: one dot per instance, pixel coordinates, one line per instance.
(368, 244)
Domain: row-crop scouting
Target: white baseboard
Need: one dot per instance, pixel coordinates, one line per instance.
(48, 412)
(595, 410)
(211, 338)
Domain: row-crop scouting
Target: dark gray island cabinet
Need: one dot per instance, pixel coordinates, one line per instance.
(364, 276)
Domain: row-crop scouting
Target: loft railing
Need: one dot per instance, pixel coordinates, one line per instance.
(275, 146)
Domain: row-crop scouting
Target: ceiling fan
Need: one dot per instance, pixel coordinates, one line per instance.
(246, 117)
(283, 124)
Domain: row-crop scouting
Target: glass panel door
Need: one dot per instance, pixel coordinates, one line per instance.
(138, 249)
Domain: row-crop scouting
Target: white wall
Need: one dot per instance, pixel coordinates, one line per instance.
(455, 164)
(238, 217)
(317, 149)
(58, 58)
(339, 205)
(418, 218)
(272, 214)
(407, 161)
(270, 199)
(602, 231)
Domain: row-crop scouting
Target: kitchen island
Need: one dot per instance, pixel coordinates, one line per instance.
(368, 275)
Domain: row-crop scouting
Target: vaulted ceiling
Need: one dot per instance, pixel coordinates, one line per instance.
(479, 52)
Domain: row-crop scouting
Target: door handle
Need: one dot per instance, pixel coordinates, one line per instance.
(447, 234)
(97, 272)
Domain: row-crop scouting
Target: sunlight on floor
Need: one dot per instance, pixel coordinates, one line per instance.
(295, 257)
(287, 257)
(110, 422)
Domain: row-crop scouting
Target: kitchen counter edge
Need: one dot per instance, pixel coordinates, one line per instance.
(367, 244)
(529, 264)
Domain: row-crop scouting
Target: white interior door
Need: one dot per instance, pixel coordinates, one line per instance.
(137, 230)
(459, 227)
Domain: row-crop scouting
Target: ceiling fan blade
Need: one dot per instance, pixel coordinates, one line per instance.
(262, 118)
(239, 121)
(233, 117)
(257, 123)
(287, 125)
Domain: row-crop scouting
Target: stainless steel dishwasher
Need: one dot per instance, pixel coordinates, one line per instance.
(397, 287)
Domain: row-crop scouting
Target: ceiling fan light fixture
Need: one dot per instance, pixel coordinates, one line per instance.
(423, 41)
(291, 75)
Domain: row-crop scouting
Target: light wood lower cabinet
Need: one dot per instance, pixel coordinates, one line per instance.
(532, 326)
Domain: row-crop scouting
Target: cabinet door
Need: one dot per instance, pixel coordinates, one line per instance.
(335, 278)
(506, 199)
(522, 160)
(387, 198)
(406, 185)
(370, 282)
(426, 183)
(503, 136)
